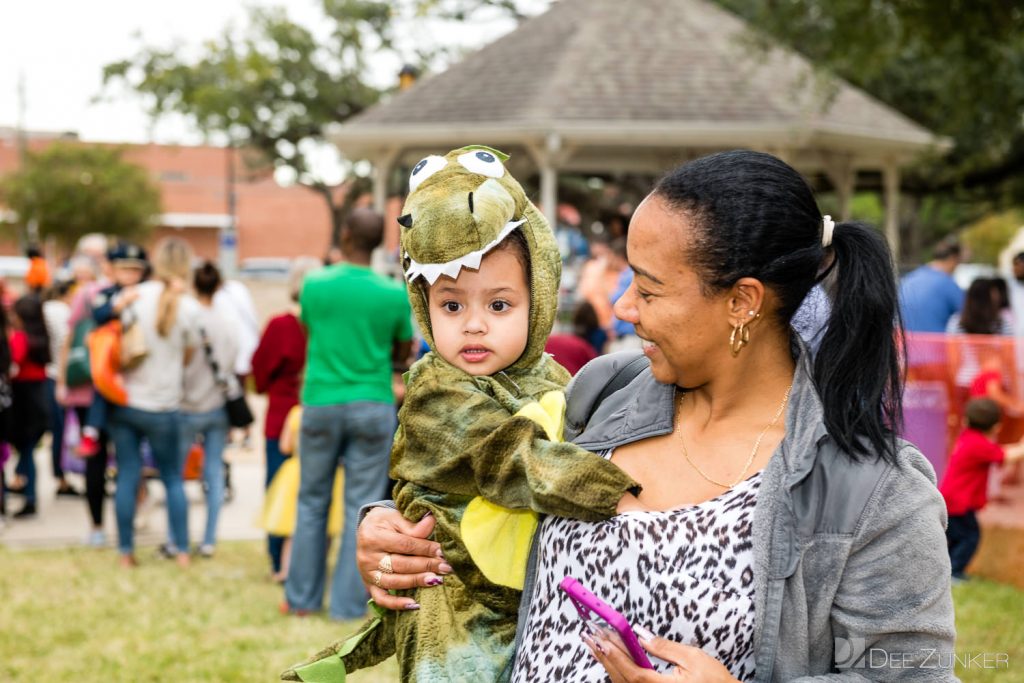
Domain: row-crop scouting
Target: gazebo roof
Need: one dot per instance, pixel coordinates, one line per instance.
(677, 73)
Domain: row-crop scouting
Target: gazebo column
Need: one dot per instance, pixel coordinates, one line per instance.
(549, 192)
(843, 176)
(891, 182)
(548, 159)
(382, 165)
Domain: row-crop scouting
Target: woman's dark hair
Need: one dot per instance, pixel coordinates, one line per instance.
(755, 216)
(30, 312)
(980, 314)
(206, 279)
(1002, 292)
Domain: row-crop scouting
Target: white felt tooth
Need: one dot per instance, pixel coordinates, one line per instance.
(432, 271)
(452, 268)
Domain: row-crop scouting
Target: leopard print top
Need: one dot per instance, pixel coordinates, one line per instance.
(686, 574)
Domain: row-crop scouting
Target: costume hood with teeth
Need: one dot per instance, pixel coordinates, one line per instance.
(484, 455)
(460, 207)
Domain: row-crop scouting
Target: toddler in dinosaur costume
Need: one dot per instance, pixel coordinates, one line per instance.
(479, 438)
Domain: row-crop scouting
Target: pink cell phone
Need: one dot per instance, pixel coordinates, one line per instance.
(601, 618)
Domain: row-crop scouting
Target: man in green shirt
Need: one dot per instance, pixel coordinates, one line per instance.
(359, 330)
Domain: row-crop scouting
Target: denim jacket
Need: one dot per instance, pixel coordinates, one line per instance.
(852, 576)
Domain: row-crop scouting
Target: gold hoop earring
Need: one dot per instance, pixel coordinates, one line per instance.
(740, 336)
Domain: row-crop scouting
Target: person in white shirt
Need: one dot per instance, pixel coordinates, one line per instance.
(56, 315)
(168, 319)
(209, 379)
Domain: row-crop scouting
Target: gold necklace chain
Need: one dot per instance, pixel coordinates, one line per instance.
(753, 453)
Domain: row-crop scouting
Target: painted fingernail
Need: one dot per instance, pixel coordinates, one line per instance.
(440, 553)
(436, 581)
(412, 606)
(445, 568)
(645, 634)
(590, 643)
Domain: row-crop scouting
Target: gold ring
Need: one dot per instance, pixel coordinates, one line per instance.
(385, 564)
(377, 575)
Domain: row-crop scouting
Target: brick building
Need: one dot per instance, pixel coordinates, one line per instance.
(272, 221)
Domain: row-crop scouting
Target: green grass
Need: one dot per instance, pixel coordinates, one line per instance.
(990, 619)
(74, 615)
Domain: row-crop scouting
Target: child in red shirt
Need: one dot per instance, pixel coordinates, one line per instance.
(965, 483)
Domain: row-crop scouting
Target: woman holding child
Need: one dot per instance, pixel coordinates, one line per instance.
(782, 529)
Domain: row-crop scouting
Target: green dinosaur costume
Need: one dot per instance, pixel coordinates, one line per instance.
(482, 454)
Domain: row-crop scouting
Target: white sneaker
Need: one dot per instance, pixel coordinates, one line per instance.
(96, 539)
(206, 550)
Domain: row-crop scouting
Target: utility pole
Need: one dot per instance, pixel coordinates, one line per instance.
(31, 225)
(228, 251)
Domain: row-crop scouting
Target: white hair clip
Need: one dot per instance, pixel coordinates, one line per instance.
(828, 226)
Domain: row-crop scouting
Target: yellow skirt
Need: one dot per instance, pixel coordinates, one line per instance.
(282, 501)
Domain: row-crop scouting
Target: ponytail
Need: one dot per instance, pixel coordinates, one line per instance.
(172, 265)
(166, 309)
(857, 367)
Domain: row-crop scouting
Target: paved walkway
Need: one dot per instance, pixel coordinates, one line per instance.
(65, 521)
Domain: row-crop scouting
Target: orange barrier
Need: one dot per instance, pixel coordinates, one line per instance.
(939, 370)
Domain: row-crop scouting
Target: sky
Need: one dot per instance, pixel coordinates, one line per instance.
(59, 48)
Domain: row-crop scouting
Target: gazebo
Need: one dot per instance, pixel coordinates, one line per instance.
(599, 86)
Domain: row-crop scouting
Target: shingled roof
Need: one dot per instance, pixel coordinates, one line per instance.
(636, 71)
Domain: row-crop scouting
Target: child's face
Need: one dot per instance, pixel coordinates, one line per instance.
(481, 321)
(126, 274)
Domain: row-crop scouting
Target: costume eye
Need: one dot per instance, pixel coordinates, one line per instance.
(482, 162)
(424, 169)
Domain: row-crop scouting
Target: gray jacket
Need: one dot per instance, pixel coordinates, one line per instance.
(852, 576)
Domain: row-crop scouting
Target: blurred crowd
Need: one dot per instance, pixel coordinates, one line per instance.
(137, 366)
(965, 342)
(128, 361)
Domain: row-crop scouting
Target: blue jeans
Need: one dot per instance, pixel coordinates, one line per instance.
(128, 427)
(275, 458)
(358, 437)
(213, 428)
(98, 411)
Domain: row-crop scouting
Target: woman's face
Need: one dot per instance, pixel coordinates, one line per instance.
(686, 334)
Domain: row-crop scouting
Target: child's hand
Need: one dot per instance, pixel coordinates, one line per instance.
(1015, 452)
(126, 298)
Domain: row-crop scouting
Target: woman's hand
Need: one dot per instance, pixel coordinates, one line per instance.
(60, 392)
(415, 560)
(691, 663)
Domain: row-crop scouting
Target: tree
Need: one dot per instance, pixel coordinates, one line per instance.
(274, 87)
(956, 68)
(271, 89)
(71, 189)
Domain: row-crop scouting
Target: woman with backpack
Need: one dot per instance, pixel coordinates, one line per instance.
(74, 390)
